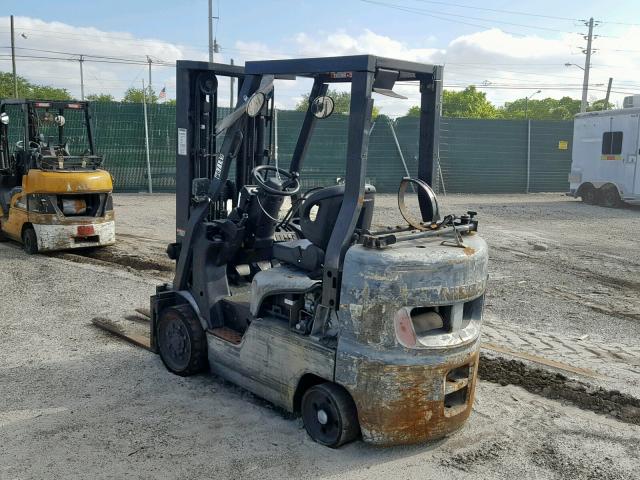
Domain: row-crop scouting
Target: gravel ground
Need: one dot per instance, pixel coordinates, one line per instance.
(76, 403)
(556, 264)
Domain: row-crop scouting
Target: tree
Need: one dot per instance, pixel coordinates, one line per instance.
(30, 90)
(598, 105)
(342, 101)
(100, 97)
(543, 109)
(135, 95)
(468, 103)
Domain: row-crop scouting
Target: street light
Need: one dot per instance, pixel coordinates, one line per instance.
(526, 103)
(574, 65)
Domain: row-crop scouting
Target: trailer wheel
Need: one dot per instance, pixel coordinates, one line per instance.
(589, 195)
(329, 415)
(610, 197)
(30, 241)
(182, 343)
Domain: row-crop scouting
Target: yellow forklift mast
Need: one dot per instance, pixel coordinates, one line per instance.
(54, 193)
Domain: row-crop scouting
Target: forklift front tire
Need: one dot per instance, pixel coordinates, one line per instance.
(30, 241)
(329, 415)
(182, 342)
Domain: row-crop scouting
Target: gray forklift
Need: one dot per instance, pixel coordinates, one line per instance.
(362, 331)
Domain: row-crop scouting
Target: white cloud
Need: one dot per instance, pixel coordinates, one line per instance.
(492, 55)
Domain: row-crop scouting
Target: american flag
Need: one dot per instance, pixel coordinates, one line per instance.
(163, 93)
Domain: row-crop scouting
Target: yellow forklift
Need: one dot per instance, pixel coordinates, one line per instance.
(54, 195)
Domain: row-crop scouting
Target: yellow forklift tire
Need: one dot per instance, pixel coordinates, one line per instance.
(30, 241)
(329, 415)
(182, 343)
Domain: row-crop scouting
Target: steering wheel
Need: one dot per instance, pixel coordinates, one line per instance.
(290, 185)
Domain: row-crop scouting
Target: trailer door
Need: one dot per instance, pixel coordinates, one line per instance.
(631, 159)
(633, 162)
(620, 151)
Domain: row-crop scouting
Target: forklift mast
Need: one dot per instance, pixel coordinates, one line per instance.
(204, 193)
(198, 146)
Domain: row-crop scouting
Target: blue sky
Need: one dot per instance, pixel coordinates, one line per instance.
(272, 22)
(507, 52)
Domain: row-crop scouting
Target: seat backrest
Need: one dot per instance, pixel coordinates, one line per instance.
(328, 202)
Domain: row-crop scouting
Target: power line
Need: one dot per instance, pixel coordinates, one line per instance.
(430, 13)
(497, 10)
(91, 58)
(159, 61)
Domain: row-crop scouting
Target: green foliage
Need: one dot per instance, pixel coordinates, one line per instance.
(468, 103)
(599, 105)
(135, 95)
(342, 102)
(543, 109)
(30, 90)
(100, 97)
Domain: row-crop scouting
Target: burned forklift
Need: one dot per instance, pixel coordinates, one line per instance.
(359, 330)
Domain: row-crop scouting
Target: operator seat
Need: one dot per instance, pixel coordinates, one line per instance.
(308, 253)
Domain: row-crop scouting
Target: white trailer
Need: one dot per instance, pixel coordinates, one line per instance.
(605, 169)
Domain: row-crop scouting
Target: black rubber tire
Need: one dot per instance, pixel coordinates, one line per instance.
(609, 197)
(30, 241)
(590, 196)
(341, 417)
(182, 342)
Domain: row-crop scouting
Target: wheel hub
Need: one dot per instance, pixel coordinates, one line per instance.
(323, 418)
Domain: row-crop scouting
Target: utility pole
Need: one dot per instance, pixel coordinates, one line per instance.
(149, 61)
(231, 82)
(210, 31)
(81, 78)
(587, 66)
(13, 60)
(606, 99)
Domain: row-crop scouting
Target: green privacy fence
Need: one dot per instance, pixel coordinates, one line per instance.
(476, 156)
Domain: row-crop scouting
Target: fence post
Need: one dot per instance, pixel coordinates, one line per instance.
(528, 154)
(146, 137)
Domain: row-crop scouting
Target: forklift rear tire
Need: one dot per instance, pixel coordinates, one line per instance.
(30, 241)
(329, 415)
(182, 342)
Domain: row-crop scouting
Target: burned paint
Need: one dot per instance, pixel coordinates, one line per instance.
(409, 395)
(67, 233)
(403, 402)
